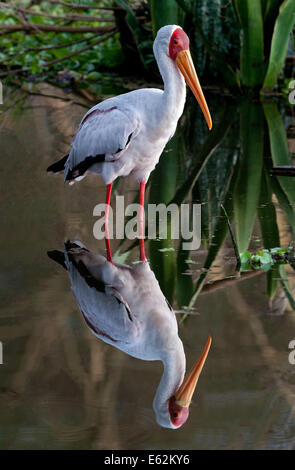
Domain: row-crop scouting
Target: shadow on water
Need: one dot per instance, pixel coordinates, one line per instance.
(62, 388)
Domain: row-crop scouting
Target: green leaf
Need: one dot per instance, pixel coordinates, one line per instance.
(220, 232)
(247, 188)
(252, 50)
(162, 187)
(94, 76)
(266, 258)
(279, 147)
(279, 43)
(236, 250)
(164, 12)
(283, 202)
(269, 230)
(214, 139)
(245, 257)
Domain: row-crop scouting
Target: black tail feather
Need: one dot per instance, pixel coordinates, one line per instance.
(83, 166)
(82, 269)
(57, 256)
(59, 165)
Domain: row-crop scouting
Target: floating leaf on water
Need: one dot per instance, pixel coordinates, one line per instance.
(245, 256)
(266, 258)
(266, 267)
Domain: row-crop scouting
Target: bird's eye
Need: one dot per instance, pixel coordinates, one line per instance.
(176, 43)
(175, 415)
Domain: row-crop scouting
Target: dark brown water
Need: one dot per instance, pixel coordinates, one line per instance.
(60, 387)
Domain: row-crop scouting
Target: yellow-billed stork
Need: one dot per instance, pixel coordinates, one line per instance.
(126, 134)
(125, 307)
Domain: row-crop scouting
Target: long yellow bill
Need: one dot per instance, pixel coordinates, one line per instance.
(184, 394)
(186, 66)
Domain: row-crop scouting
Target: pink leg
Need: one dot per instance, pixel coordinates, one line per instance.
(141, 226)
(108, 247)
(108, 199)
(107, 240)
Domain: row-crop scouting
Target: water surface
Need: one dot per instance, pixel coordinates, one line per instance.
(60, 387)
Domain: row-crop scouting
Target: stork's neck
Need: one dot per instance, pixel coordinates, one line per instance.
(174, 85)
(172, 378)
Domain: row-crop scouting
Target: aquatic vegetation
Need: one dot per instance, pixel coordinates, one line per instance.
(239, 44)
(266, 259)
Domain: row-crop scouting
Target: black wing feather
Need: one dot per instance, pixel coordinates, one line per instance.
(58, 166)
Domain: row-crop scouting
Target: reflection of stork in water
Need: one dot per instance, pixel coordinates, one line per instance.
(125, 307)
(126, 134)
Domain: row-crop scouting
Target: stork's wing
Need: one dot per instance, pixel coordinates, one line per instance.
(106, 313)
(103, 135)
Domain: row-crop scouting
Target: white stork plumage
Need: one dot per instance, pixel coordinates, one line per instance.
(126, 135)
(124, 306)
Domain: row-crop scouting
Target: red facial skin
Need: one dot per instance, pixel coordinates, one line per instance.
(178, 42)
(178, 414)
